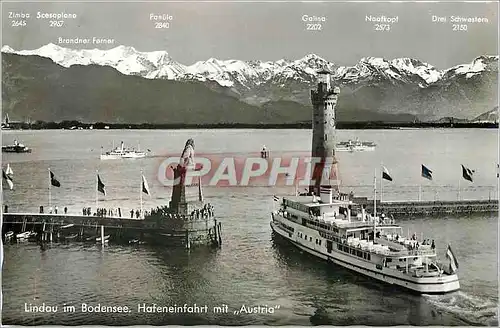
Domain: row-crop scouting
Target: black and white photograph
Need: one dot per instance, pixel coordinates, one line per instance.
(241, 163)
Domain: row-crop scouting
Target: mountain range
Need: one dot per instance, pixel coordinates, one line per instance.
(372, 89)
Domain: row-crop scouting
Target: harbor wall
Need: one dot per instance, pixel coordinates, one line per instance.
(430, 207)
(176, 230)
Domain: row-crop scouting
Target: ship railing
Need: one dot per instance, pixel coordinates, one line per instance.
(414, 252)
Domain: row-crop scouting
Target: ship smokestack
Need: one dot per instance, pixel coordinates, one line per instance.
(326, 194)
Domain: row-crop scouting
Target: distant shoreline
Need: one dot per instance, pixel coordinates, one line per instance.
(73, 125)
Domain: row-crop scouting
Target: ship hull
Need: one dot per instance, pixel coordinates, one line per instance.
(120, 156)
(342, 148)
(434, 285)
(14, 149)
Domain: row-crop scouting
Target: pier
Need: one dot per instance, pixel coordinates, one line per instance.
(173, 231)
(187, 220)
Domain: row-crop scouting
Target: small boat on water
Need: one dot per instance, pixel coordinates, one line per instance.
(136, 241)
(264, 153)
(355, 145)
(16, 148)
(122, 152)
(106, 239)
(67, 226)
(71, 237)
(23, 235)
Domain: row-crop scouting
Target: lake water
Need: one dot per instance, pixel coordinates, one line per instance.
(252, 267)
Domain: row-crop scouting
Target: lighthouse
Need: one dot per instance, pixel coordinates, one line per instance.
(324, 100)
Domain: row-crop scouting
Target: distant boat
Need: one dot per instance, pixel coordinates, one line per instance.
(106, 239)
(264, 153)
(16, 148)
(122, 152)
(23, 235)
(136, 241)
(71, 237)
(355, 145)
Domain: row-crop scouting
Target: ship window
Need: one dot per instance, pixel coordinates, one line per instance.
(319, 242)
(368, 257)
(310, 238)
(306, 237)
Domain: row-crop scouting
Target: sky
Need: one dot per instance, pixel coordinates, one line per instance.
(264, 31)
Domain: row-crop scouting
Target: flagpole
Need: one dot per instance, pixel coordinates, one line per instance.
(375, 194)
(96, 190)
(459, 188)
(140, 192)
(420, 191)
(381, 182)
(50, 184)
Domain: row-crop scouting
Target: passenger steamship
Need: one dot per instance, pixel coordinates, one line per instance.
(370, 245)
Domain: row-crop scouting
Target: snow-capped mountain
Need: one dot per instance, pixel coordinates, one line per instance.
(401, 85)
(399, 70)
(241, 74)
(488, 117)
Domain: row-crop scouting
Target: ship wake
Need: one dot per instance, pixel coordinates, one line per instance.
(472, 309)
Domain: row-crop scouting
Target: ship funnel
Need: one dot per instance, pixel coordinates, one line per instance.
(363, 213)
(326, 194)
(349, 213)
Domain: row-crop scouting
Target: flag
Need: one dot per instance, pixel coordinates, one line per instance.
(145, 188)
(385, 174)
(276, 199)
(53, 180)
(9, 171)
(8, 179)
(426, 173)
(467, 173)
(100, 185)
(453, 260)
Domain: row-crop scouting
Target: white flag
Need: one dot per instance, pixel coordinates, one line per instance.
(8, 179)
(145, 187)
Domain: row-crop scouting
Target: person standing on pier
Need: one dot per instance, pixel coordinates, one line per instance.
(56, 210)
(65, 210)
